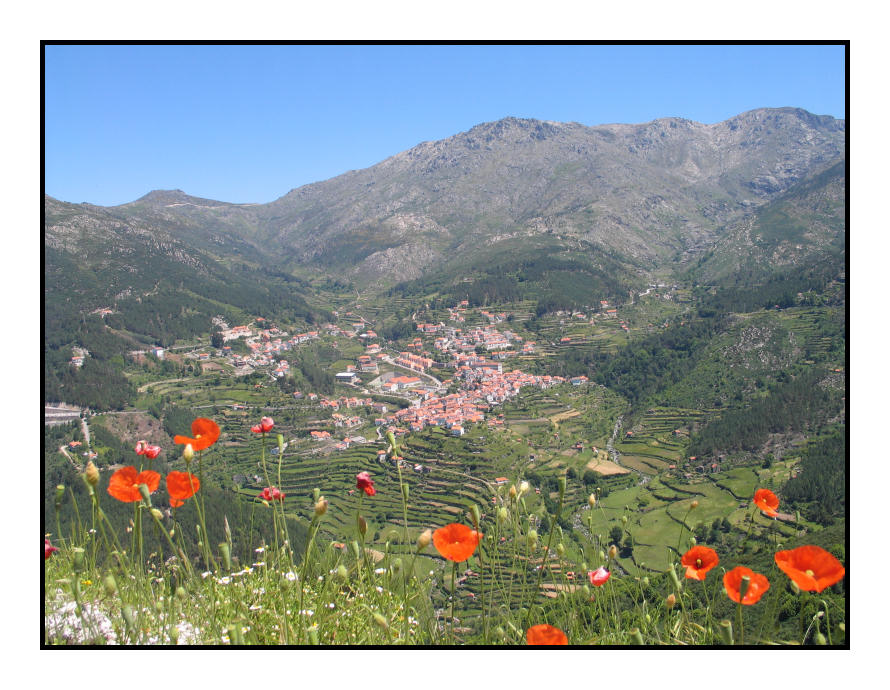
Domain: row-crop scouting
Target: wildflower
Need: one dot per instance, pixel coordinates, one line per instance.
(424, 539)
(698, 561)
(47, 548)
(379, 571)
(670, 601)
(124, 484)
(270, 493)
(364, 482)
(732, 582)
(140, 447)
(321, 507)
(456, 542)
(290, 575)
(205, 431)
(188, 453)
(151, 452)
(812, 568)
(180, 486)
(767, 501)
(264, 426)
(259, 549)
(591, 500)
(523, 488)
(544, 634)
(224, 580)
(599, 576)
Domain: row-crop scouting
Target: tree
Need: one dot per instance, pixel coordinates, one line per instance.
(615, 534)
(216, 339)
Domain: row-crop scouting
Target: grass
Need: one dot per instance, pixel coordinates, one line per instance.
(382, 587)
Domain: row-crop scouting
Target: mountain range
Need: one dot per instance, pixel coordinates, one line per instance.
(759, 191)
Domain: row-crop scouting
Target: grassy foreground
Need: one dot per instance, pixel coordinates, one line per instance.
(484, 580)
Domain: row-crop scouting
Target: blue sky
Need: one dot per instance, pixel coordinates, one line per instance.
(250, 123)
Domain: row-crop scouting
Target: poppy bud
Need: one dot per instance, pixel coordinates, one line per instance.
(500, 632)
(313, 636)
(381, 621)
(743, 587)
(503, 515)
(561, 483)
(670, 601)
(692, 541)
(591, 501)
(636, 637)
(512, 492)
(188, 453)
(110, 585)
(79, 562)
(226, 555)
(820, 639)
(585, 590)
(226, 529)
(532, 538)
(424, 539)
(474, 513)
(613, 552)
(561, 549)
(146, 494)
(181, 594)
(602, 555)
(342, 573)
(362, 525)
(646, 580)
(130, 617)
(174, 634)
(355, 548)
(725, 629)
(693, 505)
(397, 565)
(280, 440)
(405, 492)
(624, 519)
(156, 514)
(523, 488)
(316, 494)
(321, 507)
(674, 577)
(60, 492)
(91, 474)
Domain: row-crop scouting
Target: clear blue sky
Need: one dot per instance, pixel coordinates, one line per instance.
(250, 123)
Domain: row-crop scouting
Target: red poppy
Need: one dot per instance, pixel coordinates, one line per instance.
(270, 493)
(545, 634)
(180, 486)
(140, 447)
(363, 481)
(206, 433)
(732, 581)
(599, 576)
(124, 484)
(811, 567)
(456, 542)
(151, 452)
(264, 426)
(48, 548)
(767, 501)
(698, 561)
